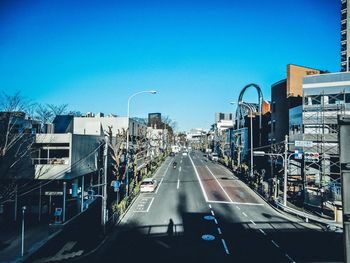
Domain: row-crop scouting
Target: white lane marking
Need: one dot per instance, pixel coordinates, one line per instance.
(262, 231)
(159, 185)
(219, 230)
(210, 206)
(162, 244)
(225, 246)
(233, 203)
(180, 169)
(150, 205)
(253, 222)
(216, 221)
(212, 212)
(199, 180)
(181, 160)
(178, 184)
(276, 245)
(219, 184)
(238, 208)
(287, 256)
(244, 214)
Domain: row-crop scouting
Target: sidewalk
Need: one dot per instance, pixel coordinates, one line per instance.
(11, 240)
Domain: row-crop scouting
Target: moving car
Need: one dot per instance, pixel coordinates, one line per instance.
(148, 185)
(184, 154)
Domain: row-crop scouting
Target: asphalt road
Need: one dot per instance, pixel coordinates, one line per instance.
(200, 212)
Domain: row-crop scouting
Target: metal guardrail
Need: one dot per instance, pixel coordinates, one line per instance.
(308, 216)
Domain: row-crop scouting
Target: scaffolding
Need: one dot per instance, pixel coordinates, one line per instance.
(320, 125)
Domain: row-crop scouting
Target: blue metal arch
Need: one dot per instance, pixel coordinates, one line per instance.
(239, 111)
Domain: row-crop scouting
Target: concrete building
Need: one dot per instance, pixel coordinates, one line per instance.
(102, 125)
(325, 97)
(155, 119)
(222, 116)
(286, 94)
(344, 36)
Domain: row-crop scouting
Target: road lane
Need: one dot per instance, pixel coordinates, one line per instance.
(181, 226)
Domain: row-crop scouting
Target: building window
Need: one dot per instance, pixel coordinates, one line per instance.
(336, 98)
(347, 98)
(273, 126)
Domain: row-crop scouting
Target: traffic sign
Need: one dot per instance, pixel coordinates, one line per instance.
(304, 143)
(53, 193)
(298, 155)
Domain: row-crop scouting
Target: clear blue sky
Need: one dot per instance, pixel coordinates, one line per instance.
(197, 54)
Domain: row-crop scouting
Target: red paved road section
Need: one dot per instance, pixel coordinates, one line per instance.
(236, 191)
(211, 187)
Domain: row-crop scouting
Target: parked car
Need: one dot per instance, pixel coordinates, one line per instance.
(184, 154)
(214, 157)
(148, 185)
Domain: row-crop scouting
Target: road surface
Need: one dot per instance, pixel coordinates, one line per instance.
(200, 212)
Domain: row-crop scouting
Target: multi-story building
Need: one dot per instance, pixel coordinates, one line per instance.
(155, 120)
(325, 97)
(344, 37)
(286, 94)
(222, 116)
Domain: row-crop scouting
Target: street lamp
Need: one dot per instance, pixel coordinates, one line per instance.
(127, 136)
(251, 137)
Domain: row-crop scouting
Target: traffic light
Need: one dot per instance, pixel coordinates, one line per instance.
(312, 156)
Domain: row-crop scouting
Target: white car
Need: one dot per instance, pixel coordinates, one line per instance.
(214, 157)
(148, 185)
(184, 154)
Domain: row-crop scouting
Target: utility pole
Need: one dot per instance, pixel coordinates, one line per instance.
(16, 199)
(64, 201)
(22, 243)
(82, 194)
(285, 170)
(39, 216)
(104, 189)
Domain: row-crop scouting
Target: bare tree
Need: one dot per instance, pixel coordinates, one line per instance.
(47, 112)
(15, 139)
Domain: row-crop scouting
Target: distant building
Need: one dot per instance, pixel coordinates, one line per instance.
(222, 116)
(154, 119)
(344, 37)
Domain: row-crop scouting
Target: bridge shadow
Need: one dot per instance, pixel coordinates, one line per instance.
(134, 241)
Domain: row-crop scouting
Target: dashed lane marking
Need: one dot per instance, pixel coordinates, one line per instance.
(212, 212)
(253, 222)
(210, 206)
(219, 230)
(287, 256)
(276, 245)
(225, 246)
(216, 221)
(238, 208)
(262, 231)
(244, 214)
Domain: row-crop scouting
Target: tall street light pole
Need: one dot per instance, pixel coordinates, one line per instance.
(127, 136)
(251, 138)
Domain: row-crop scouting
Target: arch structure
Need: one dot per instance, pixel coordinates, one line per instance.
(243, 108)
